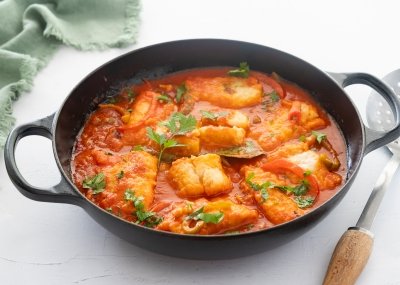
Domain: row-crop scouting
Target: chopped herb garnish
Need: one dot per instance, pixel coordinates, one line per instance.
(150, 219)
(129, 195)
(304, 202)
(242, 71)
(138, 148)
(180, 91)
(143, 148)
(264, 194)
(270, 99)
(232, 233)
(164, 98)
(214, 218)
(301, 189)
(274, 96)
(259, 187)
(131, 95)
(213, 115)
(307, 173)
(297, 190)
(199, 214)
(111, 100)
(178, 124)
(97, 183)
(195, 213)
(108, 153)
(320, 136)
(162, 141)
(302, 138)
(120, 174)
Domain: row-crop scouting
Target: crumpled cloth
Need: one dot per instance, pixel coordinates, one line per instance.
(32, 30)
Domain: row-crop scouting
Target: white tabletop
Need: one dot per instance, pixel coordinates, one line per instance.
(45, 243)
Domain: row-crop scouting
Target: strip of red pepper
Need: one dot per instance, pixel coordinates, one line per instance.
(275, 85)
(283, 166)
(295, 112)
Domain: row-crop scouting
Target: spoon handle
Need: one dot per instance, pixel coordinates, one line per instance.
(368, 214)
(349, 257)
(354, 247)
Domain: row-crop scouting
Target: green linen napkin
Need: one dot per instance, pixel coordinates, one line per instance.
(32, 30)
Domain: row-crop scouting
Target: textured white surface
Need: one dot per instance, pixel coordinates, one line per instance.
(44, 243)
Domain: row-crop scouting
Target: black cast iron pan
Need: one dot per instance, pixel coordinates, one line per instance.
(157, 60)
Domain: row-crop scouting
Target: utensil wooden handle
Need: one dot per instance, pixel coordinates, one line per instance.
(349, 257)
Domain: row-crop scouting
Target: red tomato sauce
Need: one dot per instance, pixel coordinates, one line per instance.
(295, 155)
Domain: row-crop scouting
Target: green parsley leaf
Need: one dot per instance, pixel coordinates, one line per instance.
(209, 115)
(284, 188)
(301, 189)
(259, 187)
(214, 218)
(171, 143)
(264, 194)
(131, 95)
(129, 195)
(178, 124)
(297, 190)
(304, 202)
(242, 71)
(164, 98)
(97, 183)
(320, 136)
(138, 148)
(274, 96)
(250, 226)
(142, 216)
(111, 100)
(138, 203)
(150, 219)
(302, 138)
(158, 138)
(120, 174)
(213, 116)
(199, 214)
(232, 233)
(270, 99)
(307, 173)
(195, 213)
(143, 148)
(180, 91)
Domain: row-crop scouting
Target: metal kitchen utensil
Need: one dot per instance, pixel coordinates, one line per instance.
(354, 247)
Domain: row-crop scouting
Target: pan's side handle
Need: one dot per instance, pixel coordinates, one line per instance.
(60, 193)
(373, 138)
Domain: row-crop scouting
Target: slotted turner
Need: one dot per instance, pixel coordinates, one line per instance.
(355, 246)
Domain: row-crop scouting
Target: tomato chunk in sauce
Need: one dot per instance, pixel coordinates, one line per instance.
(210, 151)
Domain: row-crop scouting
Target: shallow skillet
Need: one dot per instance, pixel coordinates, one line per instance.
(157, 60)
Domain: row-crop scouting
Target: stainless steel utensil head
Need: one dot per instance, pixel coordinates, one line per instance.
(379, 115)
(354, 248)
